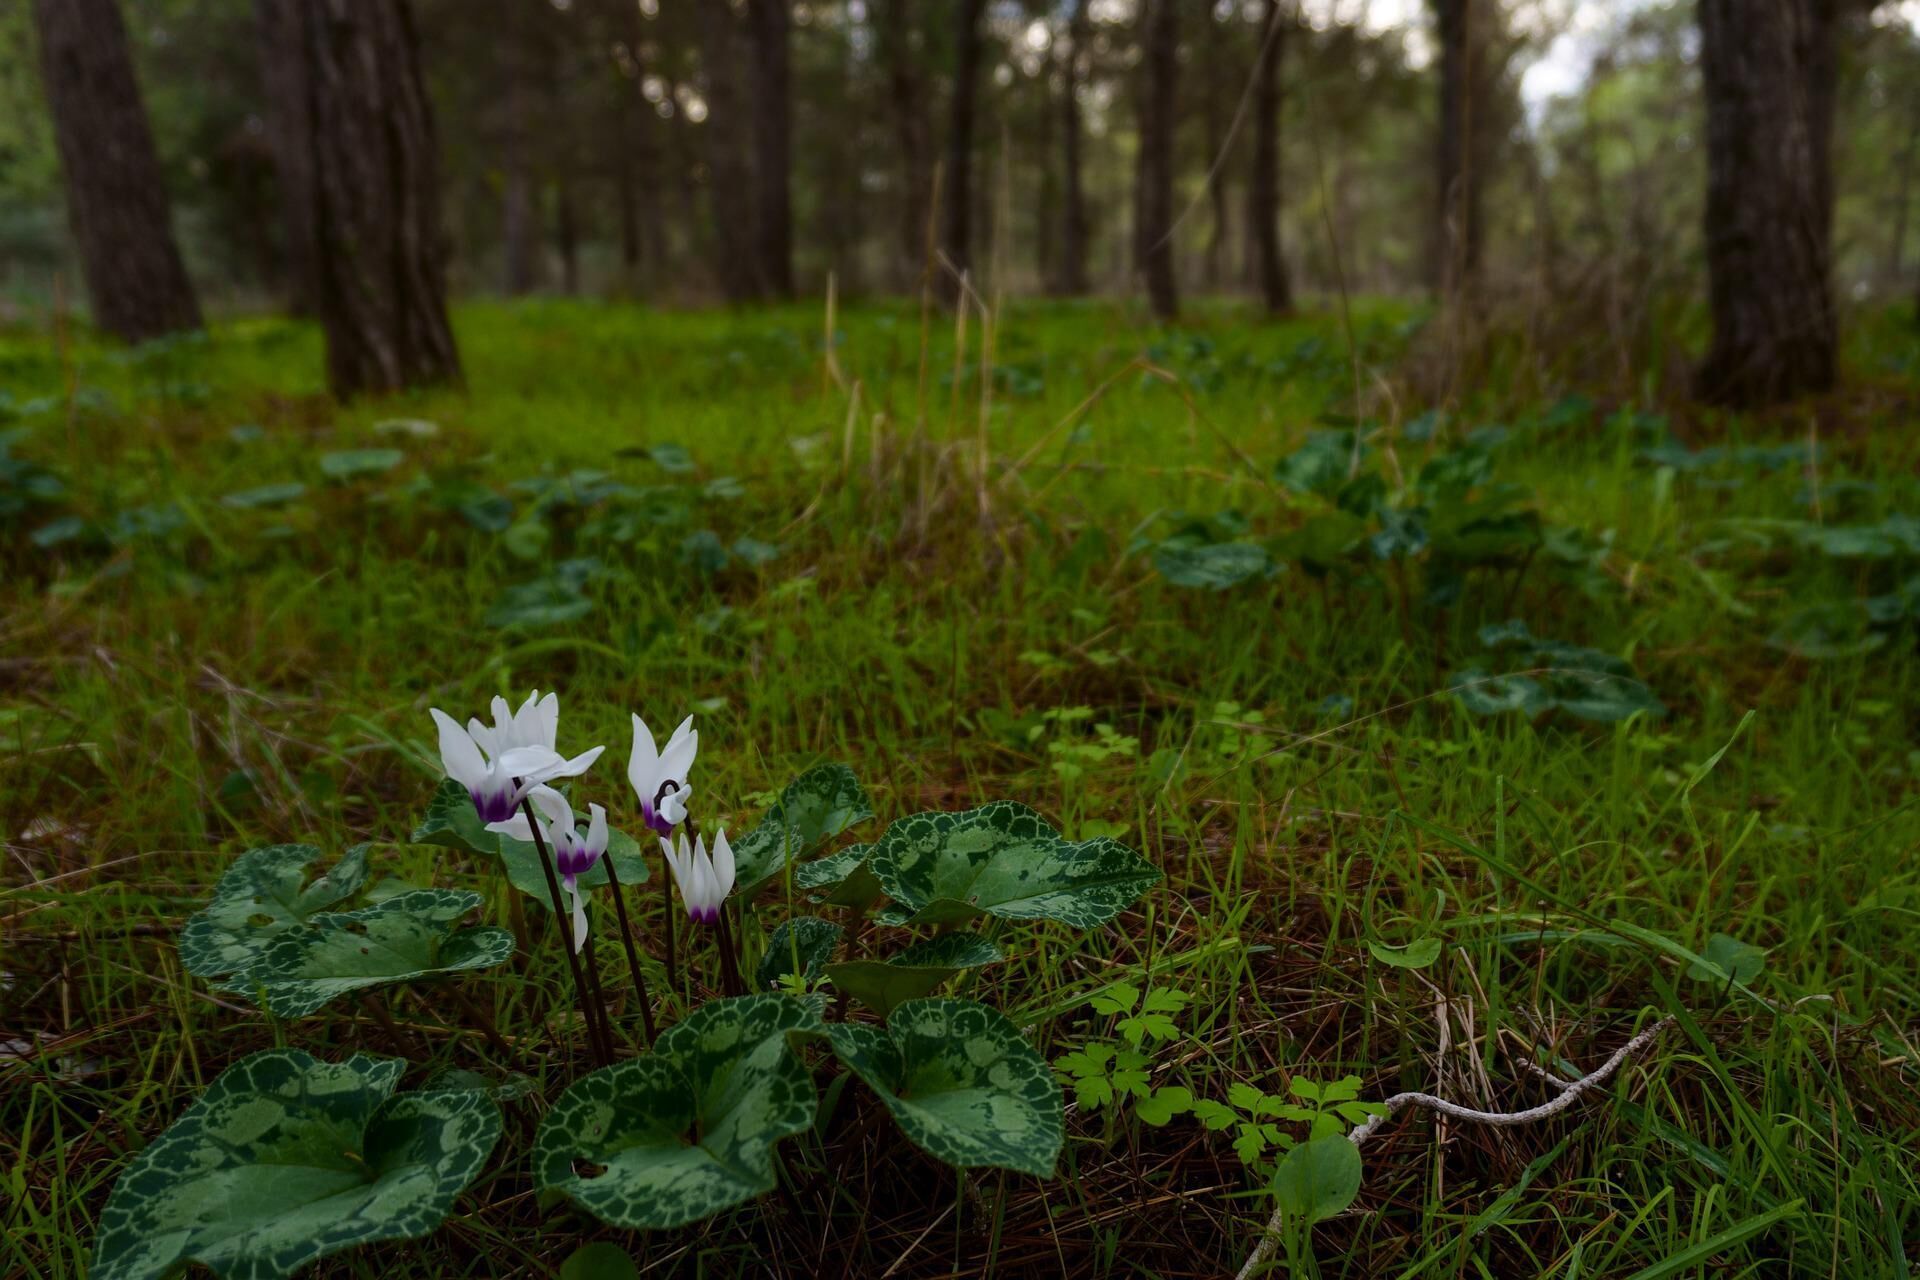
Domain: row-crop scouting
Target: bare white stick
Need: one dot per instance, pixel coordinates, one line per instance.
(1570, 1090)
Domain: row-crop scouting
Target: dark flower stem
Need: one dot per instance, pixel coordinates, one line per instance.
(633, 957)
(592, 967)
(729, 958)
(560, 927)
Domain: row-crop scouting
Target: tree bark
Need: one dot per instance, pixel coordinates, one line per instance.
(379, 279)
(116, 193)
(1767, 70)
(284, 89)
(956, 229)
(1160, 38)
(729, 175)
(1263, 191)
(909, 108)
(770, 22)
(1458, 176)
(1072, 279)
(519, 253)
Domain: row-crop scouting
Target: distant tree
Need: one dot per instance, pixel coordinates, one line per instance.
(729, 169)
(379, 282)
(1460, 151)
(907, 104)
(957, 196)
(284, 91)
(1768, 74)
(116, 195)
(770, 23)
(1071, 278)
(1160, 43)
(1263, 190)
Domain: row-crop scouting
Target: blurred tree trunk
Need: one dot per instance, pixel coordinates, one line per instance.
(1072, 278)
(909, 107)
(1768, 75)
(770, 23)
(1216, 114)
(379, 279)
(1047, 196)
(956, 229)
(729, 174)
(518, 252)
(116, 193)
(283, 81)
(1160, 41)
(566, 232)
(1459, 157)
(1263, 191)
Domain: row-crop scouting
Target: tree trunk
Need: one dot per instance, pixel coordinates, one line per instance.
(1160, 37)
(284, 90)
(1073, 205)
(1457, 178)
(729, 175)
(1263, 191)
(380, 283)
(116, 194)
(910, 128)
(956, 231)
(1768, 76)
(770, 22)
(518, 250)
(1215, 118)
(566, 233)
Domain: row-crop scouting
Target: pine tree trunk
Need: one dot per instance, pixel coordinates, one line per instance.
(380, 283)
(1457, 179)
(1263, 192)
(519, 256)
(1767, 70)
(566, 233)
(1161, 40)
(729, 175)
(284, 89)
(909, 109)
(770, 22)
(1073, 205)
(956, 235)
(116, 193)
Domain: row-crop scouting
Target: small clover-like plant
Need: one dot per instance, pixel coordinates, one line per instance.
(1117, 1073)
(1258, 1119)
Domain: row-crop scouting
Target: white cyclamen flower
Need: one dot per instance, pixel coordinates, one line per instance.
(486, 760)
(574, 854)
(659, 778)
(704, 882)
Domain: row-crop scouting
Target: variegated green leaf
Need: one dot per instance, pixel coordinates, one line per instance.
(286, 1159)
(962, 1083)
(683, 1132)
(259, 898)
(1005, 860)
(815, 807)
(845, 872)
(451, 822)
(883, 985)
(401, 939)
(802, 945)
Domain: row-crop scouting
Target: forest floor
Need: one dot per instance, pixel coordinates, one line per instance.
(1129, 586)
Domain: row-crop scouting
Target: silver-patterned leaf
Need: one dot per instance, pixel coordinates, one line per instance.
(815, 807)
(261, 896)
(884, 985)
(286, 1159)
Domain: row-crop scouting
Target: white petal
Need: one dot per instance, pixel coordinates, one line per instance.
(553, 806)
(458, 754)
(548, 720)
(531, 764)
(487, 740)
(597, 830)
(702, 898)
(579, 764)
(517, 826)
(673, 857)
(673, 806)
(677, 760)
(502, 722)
(579, 917)
(640, 764)
(722, 865)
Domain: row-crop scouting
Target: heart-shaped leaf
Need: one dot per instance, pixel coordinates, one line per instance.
(1216, 566)
(401, 939)
(286, 1159)
(348, 463)
(802, 945)
(1318, 1179)
(683, 1132)
(962, 1083)
(1417, 954)
(259, 898)
(267, 495)
(884, 985)
(1004, 860)
(1728, 960)
(815, 807)
(599, 1260)
(846, 873)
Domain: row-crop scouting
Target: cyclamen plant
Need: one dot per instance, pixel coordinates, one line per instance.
(681, 1127)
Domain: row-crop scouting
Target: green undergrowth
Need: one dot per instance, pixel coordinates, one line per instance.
(1490, 714)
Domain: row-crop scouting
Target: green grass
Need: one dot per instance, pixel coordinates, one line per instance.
(246, 676)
